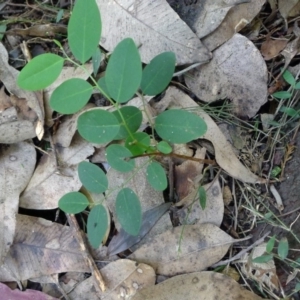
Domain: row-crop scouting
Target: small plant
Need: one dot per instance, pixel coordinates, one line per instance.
(124, 77)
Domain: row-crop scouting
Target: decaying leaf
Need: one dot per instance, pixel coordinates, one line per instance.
(41, 248)
(123, 279)
(50, 182)
(271, 48)
(184, 249)
(238, 72)
(192, 212)
(236, 19)
(8, 76)
(174, 98)
(17, 162)
(41, 30)
(155, 28)
(198, 285)
(286, 6)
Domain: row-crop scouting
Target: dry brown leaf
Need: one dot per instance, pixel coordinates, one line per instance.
(192, 213)
(17, 162)
(236, 19)
(149, 198)
(47, 185)
(199, 285)
(8, 76)
(155, 28)
(41, 247)
(123, 279)
(271, 48)
(174, 98)
(238, 72)
(40, 30)
(184, 249)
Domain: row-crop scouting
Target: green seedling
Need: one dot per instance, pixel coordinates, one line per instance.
(124, 78)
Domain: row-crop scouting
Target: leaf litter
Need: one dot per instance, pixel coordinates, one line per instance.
(35, 247)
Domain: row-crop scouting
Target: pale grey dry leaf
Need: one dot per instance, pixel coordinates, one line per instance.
(285, 6)
(41, 247)
(205, 16)
(184, 249)
(236, 19)
(47, 185)
(124, 240)
(155, 28)
(17, 162)
(8, 76)
(199, 285)
(238, 72)
(122, 278)
(225, 157)
(148, 197)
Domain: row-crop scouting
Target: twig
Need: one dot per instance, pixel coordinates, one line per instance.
(99, 283)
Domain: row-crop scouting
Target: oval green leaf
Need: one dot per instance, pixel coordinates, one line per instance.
(92, 177)
(282, 95)
(283, 248)
(202, 197)
(270, 244)
(289, 78)
(117, 156)
(133, 118)
(129, 211)
(164, 147)
(138, 143)
(71, 96)
(156, 176)
(73, 203)
(97, 225)
(262, 259)
(124, 71)
(96, 60)
(158, 74)
(179, 126)
(84, 29)
(103, 87)
(40, 72)
(98, 126)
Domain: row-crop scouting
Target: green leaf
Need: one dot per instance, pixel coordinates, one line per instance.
(92, 177)
(291, 112)
(262, 259)
(179, 126)
(289, 78)
(158, 74)
(297, 86)
(97, 225)
(164, 147)
(96, 60)
(84, 29)
(270, 244)
(124, 71)
(156, 176)
(297, 287)
(59, 15)
(128, 211)
(283, 248)
(133, 118)
(40, 72)
(202, 197)
(139, 143)
(102, 85)
(73, 203)
(282, 95)
(2, 29)
(71, 96)
(117, 156)
(275, 171)
(98, 126)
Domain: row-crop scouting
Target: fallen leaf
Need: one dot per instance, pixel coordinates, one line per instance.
(271, 48)
(8, 76)
(225, 157)
(28, 294)
(47, 185)
(237, 71)
(155, 28)
(41, 247)
(184, 249)
(198, 285)
(40, 30)
(236, 19)
(192, 213)
(286, 6)
(17, 162)
(123, 279)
